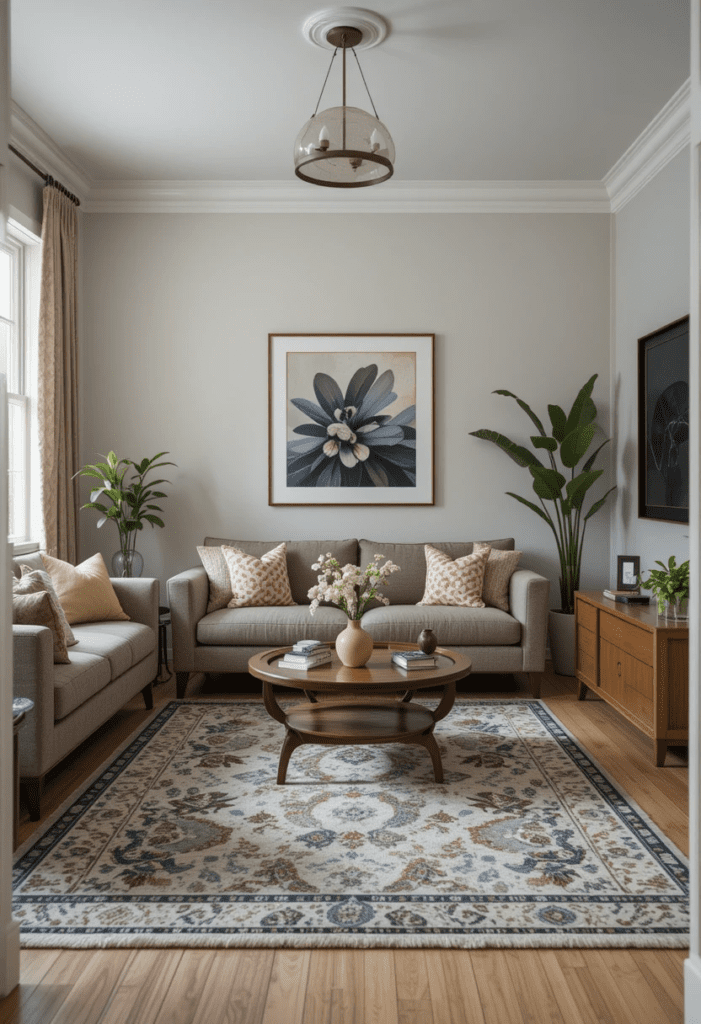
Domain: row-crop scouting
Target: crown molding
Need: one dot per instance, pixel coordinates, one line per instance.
(40, 148)
(666, 135)
(393, 197)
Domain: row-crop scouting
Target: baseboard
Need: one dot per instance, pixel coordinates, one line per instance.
(9, 958)
(692, 990)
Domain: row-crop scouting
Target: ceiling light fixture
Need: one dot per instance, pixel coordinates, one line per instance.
(344, 147)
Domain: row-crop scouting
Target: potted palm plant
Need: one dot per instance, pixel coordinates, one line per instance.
(128, 503)
(561, 487)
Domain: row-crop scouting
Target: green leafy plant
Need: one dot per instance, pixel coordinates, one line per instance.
(561, 499)
(128, 503)
(670, 582)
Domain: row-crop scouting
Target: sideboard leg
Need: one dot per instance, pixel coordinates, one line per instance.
(660, 752)
(581, 691)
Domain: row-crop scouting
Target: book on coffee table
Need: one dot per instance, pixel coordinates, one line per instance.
(302, 661)
(411, 660)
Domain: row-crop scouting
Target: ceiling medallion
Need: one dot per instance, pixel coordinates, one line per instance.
(344, 147)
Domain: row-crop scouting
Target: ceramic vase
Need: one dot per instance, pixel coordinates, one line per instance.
(354, 645)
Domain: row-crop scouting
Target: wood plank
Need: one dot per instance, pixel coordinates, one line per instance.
(413, 992)
(94, 988)
(349, 987)
(600, 989)
(318, 1001)
(633, 985)
(287, 988)
(185, 992)
(237, 986)
(530, 980)
(143, 987)
(380, 987)
(451, 980)
(45, 1000)
(501, 1003)
(572, 1011)
(33, 965)
(665, 978)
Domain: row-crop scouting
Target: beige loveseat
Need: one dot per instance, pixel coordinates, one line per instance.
(111, 662)
(224, 640)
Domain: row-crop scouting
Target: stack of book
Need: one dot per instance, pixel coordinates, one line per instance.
(411, 660)
(306, 654)
(627, 596)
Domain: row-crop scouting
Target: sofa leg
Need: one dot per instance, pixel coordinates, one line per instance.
(147, 694)
(181, 679)
(33, 789)
(534, 681)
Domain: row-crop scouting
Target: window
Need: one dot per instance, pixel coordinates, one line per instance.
(19, 276)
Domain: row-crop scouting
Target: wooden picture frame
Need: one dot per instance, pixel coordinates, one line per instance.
(628, 570)
(351, 419)
(663, 423)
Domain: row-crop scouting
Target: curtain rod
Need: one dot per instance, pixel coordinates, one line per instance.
(47, 177)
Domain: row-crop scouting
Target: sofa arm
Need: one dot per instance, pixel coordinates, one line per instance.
(528, 600)
(139, 599)
(188, 593)
(33, 677)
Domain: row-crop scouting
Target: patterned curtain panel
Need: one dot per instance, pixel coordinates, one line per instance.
(58, 374)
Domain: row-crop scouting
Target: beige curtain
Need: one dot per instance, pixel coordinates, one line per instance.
(58, 374)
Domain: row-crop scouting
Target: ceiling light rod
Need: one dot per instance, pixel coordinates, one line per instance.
(344, 147)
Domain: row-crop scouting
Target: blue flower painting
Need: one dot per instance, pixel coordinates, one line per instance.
(347, 440)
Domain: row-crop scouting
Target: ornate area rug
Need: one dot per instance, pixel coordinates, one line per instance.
(185, 839)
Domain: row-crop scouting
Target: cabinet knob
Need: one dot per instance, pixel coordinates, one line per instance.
(618, 666)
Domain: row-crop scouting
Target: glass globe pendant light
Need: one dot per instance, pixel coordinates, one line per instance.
(344, 147)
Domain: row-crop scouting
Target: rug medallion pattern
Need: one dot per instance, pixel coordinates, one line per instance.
(185, 839)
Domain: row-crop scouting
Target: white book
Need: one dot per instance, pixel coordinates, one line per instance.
(413, 659)
(300, 661)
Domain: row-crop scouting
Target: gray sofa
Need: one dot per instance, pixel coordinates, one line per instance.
(224, 640)
(111, 662)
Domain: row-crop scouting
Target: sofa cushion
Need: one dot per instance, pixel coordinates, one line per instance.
(455, 581)
(218, 575)
(497, 576)
(301, 554)
(38, 609)
(84, 590)
(34, 580)
(123, 644)
(258, 582)
(407, 586)
(82, 678)
(269, 627)
(33, 561)
(462, 627)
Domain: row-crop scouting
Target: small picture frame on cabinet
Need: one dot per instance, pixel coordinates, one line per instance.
(628, 572)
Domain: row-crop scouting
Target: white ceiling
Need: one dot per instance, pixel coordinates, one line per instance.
(471, 90)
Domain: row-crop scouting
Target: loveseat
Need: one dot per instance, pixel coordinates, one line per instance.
(111, 662)
(225, 639)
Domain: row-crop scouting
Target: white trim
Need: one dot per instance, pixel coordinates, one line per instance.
(666, 135)
(40, 148)
(393, 197)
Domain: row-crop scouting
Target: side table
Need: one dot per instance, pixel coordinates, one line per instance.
(164, 672)
(20, 707)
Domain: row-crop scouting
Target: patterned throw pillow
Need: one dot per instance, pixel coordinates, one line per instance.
(500, 568)
(33, 582)
(218, 574)
(454, 582)
(85, 591)
(258, 581)
(35, 608)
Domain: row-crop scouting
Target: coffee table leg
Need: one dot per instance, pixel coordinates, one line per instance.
(271, 705)
(292, 741)
(429, 742)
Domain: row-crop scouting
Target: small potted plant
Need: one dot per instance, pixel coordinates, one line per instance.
(670, 586)
(131, 504)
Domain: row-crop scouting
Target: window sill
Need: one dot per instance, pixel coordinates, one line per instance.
(25, 548)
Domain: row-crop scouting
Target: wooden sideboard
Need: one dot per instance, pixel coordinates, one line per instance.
(636, 662)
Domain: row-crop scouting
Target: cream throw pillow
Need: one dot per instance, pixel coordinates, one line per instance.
(35, 580)
(85, 591)
(258, 581)
(218, 574)
(36, 608)
(500, 568)
(455, 582)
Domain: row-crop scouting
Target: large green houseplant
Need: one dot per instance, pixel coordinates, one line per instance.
(560, 478)
(127, 502)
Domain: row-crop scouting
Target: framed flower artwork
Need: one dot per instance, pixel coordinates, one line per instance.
(351, 419)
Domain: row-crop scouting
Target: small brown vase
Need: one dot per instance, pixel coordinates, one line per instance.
(354, 645)
(427, 641)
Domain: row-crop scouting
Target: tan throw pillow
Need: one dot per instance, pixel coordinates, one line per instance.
(85, 591)
(501, 566)
(218, 574)
(455, 582)
(35, 580)
(258, 581)
(36, 608)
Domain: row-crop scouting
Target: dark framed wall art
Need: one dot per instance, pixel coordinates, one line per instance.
(351, 419)
(663, 423)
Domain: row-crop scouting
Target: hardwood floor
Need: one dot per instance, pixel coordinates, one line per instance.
(425, 986)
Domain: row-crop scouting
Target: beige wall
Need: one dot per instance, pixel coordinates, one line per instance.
(651, 289)
(176, 314)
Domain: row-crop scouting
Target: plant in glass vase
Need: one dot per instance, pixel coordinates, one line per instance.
(670, 586)
(352, 589)
(132, 503)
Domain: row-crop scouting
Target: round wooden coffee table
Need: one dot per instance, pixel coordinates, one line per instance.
(363, 710)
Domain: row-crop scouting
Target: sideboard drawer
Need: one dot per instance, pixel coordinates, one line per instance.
(586, 656)
(628, 681)
(632, 639)
(587, 615)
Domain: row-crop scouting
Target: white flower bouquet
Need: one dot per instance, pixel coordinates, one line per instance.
(350, 587)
